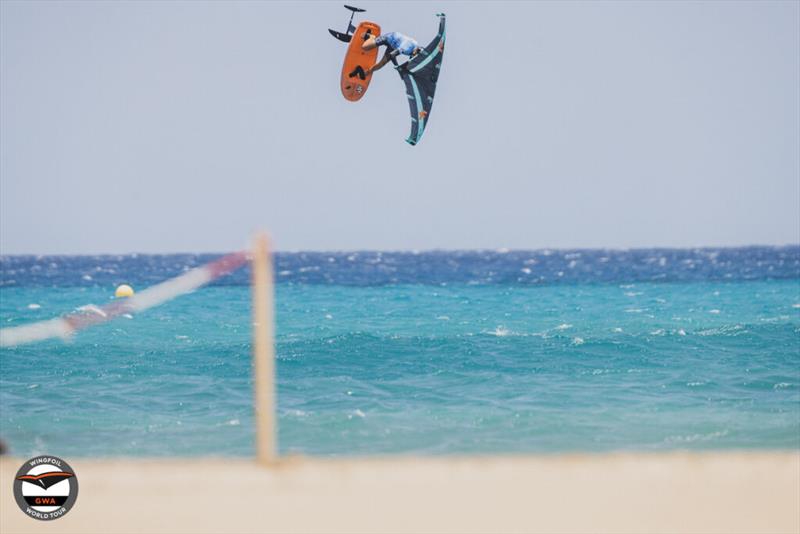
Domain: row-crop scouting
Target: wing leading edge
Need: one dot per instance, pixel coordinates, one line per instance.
(420, 75)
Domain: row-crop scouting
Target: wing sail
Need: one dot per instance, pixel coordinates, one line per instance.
(420, 75)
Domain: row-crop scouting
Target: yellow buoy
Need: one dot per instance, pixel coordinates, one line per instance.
(123, 291)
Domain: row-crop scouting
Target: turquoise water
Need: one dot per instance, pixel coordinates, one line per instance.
(416, 368)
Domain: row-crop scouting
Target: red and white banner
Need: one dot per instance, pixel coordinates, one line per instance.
(64, 326)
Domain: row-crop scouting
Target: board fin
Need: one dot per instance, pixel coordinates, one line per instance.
(344, 37)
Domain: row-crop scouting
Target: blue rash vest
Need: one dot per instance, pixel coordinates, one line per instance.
(402, 43)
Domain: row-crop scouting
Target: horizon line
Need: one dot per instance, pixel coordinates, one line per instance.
(498, 250)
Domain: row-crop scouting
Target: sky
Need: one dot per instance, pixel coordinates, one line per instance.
(186, 126)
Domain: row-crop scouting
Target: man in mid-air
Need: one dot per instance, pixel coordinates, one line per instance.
(395, 42)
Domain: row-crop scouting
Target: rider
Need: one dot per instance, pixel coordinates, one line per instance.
(396, 43)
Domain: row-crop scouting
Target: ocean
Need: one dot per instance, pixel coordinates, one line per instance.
(441, 352)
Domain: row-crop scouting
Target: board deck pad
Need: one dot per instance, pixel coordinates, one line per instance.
(354, 88)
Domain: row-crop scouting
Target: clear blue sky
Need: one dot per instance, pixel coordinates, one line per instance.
(184, 126)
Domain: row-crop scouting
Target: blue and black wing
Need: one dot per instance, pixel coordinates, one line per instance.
(420, 74)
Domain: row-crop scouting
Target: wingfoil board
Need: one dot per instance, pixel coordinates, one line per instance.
(354, 88)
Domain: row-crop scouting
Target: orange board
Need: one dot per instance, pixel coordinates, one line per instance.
(354, 88)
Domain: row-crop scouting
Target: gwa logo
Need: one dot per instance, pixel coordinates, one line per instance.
(45, 487)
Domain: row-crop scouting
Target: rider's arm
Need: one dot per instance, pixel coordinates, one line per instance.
(384, 60)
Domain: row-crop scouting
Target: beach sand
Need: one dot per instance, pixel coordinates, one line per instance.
(664, 492)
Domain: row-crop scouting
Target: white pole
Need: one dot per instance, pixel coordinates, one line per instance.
(263, 352)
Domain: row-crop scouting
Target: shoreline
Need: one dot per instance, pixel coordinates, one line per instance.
(694, 492)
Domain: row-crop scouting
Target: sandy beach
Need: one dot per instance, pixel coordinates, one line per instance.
(670, 492)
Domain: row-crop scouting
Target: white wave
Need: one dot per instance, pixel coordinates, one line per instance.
(500, 331)
(774, 319)
(34, 306)
(696, 437)
(733, 330)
